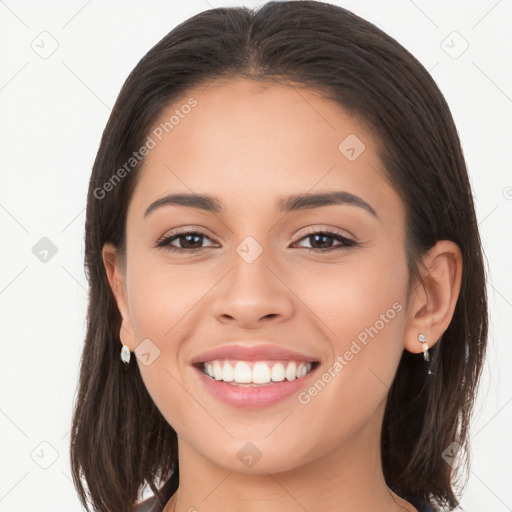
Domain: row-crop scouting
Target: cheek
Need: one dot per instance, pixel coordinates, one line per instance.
(354, 295)
(161, 297)
(361, 305)
(364, 310)
(161, 309)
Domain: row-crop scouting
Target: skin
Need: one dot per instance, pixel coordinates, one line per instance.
(249, 144)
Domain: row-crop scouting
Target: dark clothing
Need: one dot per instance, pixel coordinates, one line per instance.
(421, 506)
(149, 505)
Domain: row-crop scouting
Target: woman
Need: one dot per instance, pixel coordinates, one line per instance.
(282, 248)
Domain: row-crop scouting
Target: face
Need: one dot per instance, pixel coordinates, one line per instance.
(264, 283)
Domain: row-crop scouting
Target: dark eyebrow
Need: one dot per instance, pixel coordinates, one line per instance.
(305, 201)
(204, 202)
(286, 204)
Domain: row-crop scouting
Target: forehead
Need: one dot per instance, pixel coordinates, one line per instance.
(248, 141)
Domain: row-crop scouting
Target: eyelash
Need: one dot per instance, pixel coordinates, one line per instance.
(346, 242)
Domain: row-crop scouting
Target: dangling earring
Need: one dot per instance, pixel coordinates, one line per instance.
(423, 341)
(125, 355)
(426, 357)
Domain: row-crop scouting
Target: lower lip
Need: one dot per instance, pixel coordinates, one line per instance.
(258, 396)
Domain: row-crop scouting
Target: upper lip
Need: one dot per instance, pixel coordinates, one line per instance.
(261, 352)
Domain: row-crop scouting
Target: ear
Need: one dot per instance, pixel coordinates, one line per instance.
(433, 301)
(116, 274)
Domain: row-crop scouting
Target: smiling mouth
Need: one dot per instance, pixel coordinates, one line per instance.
(255, 373)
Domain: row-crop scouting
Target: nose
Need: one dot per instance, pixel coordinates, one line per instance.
(253, 295)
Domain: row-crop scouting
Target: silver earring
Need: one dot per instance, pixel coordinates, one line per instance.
(423, 341)
(125, 355)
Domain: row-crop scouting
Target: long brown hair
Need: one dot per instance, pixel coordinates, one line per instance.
(120, 442)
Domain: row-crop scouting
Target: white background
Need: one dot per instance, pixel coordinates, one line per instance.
(53, 111)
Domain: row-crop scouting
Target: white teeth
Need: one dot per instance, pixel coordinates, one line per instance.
(291, 371)
(278, 372)
(260, 373)
(217, 370)
(243, 374)
(228, 373)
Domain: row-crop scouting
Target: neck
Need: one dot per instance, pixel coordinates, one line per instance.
(348, 478)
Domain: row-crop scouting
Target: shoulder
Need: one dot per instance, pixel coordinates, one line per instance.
(148, 505)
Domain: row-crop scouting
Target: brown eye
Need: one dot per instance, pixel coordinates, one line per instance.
(186, 242)
(322, 241)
